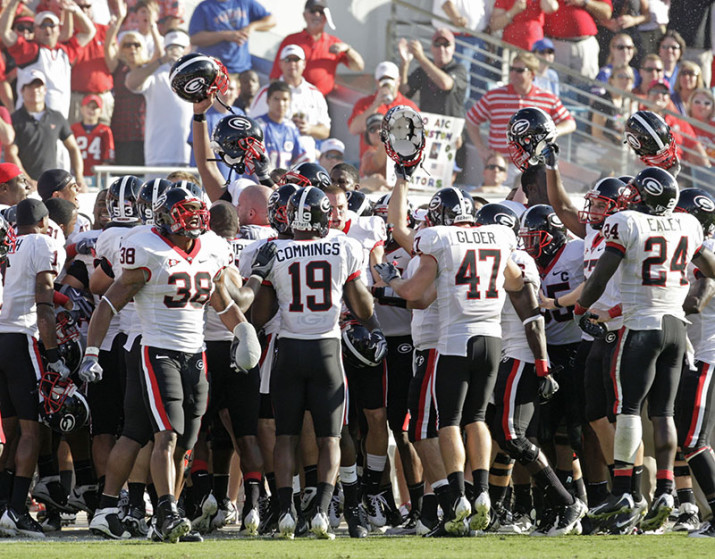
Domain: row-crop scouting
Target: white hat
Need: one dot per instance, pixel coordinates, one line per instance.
(42, 16)
(292, 50)
(387, 69)
(177, 37)
(25, 77)
(332, 144)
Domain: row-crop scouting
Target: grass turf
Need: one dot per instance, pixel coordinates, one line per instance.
(513, 547)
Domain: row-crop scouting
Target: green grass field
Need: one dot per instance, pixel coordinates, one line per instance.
(502, 547)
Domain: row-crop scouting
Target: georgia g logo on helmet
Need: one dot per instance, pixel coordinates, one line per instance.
(325, 205)
(554, 220)
(653, 187)
(435, 202)
(195, 85)
(505, 219)
(520, 126)
(633, 141)
(67, 423)
(704, 203)
(239, 123)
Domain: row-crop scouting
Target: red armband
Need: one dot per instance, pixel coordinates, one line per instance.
(542, 367)
(71, 251)
(578, 310)
(60, 299)
(613, 312)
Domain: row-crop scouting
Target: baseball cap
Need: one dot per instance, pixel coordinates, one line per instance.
(30, 211)
(8, 171)
(662, 82)
(92, 97)
(23, 19)
(176, 37)
(373, 119)
(42, 16)
(332, 144)
(292, 50)
(387, 69)
(51, 181)
(443, 33)
(26, 77)
(542, 44)
(316, 4)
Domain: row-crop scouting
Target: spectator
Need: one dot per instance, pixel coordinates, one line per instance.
(332, 152)
(215, 113)
(494, 174)
(693, 21)
(386, 96)
(45, 53)
(441, 82)
(171, 15)
(147, 12)
(7, 132)
(498, 105)
(13, 185)
(621, 50)
(651, 68)
(90, 74)
(546, 78)
(323, 52)
(248, 87)
(373, 162)
(37, 129)
(522, 21)
(221, 28)
(702, 108)
(472, 15)
(280, 136)
(573, 30)
(129, 116)
(626, 16)
(308, 109)
(690, 78)
(651, 31)
(94, 139)
(671, 49)
(609, 115)
(168, 118)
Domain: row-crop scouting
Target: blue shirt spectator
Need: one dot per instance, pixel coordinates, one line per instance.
(546, 78)
(282, 142)
(221, 28)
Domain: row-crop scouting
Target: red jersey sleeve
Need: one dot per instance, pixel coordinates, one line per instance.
(23, 51)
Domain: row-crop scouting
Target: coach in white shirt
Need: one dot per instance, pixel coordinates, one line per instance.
(309, 109)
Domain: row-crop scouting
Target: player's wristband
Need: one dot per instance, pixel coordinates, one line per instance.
(52, 355)
(613, 312)
(199, 117)
(578, 310)
(557, 304)
(91, 351)
(542, 367)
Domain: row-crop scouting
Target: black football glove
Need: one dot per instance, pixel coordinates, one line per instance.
(405, 171)
(547, 388)
(547, 154)
(86, 246)
(596, 330)
(263, 261)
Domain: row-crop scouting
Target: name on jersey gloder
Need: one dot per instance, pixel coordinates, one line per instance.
(304, 250)
(475, 236)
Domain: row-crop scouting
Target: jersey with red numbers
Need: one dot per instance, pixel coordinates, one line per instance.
(96, 146)
(171, 303)
(656, 252)
(514, 343)
(470, 280)
(593, 246)
(308, 277)
(33, 255)
(563, 274)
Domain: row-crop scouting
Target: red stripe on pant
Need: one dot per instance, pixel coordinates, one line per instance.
(698, 406)
(155, 394)
(425, 392)
(507, 404)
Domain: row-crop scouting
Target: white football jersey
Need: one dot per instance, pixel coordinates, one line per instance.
(514, 343)
(657, 251)
(171, 304)
(593, 247)
(470, 280)
(129, 320)
(395, 321)
(701, 329)
(370, 232)
(425, 322)
(308, 277)
(54, 231)
(33, 254)
(214, 328)
(81, 225)
(562, 276)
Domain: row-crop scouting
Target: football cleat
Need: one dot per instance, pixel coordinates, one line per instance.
(460, 511)
(320, 526)
(549, 518)
(374, 506)
(688, 520)
(286, 525)
(84, 497)
(658, 513)
(707, 530)
(135, 522)
(13, 524)
(268, 508)
(49, 490)
(191, 537)
(356, 528)
(251, 522)
(172, 527)
(569, 519)
(523, 521)
(52, 521)
(106, 523)
(209, 507)
(335, 510)
(612, 506)
(480, 519)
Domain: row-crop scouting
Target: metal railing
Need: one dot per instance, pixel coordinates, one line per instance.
(581, 148)
(106, 173)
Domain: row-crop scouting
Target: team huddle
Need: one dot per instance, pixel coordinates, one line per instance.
(507, 350)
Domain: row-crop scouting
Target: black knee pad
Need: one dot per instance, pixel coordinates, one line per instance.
(522, 450)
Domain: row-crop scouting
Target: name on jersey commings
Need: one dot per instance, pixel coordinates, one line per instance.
(301, 251)
(473, 236)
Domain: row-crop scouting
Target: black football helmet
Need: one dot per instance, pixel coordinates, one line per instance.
(122, 199)
(7, 238)
(651, 139)
(64, 408)
(192, 187)
(542, 232)
(70, 342)
(179, 212)
(309, 210)
(607, 191)
(450, 206)
(358, 351)
(195, 76)
(237, 139)
(498, 214)
(307, 174)
(150, 192)
(701, 204)
(528, 131)
(278, 208)
(359, 203)
(653, 191)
